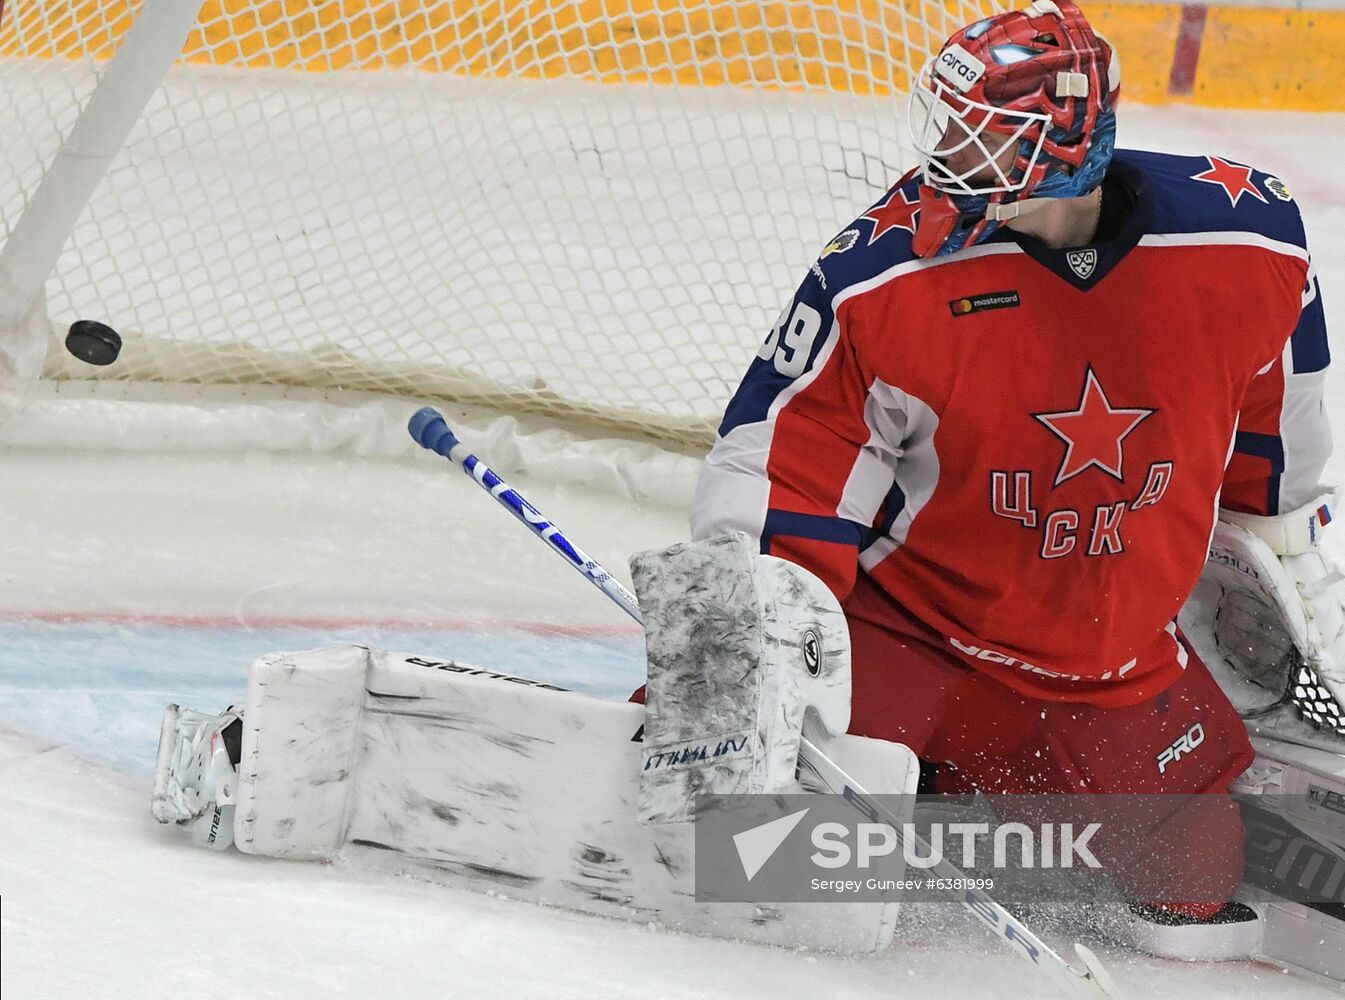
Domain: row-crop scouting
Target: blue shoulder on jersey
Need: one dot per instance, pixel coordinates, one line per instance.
(1203, 194)
(1196, 194)
(874, 242)
(877, 240)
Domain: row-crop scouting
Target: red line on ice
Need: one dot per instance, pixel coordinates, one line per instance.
(469, 623)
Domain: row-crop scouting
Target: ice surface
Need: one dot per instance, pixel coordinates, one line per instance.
(128, 579)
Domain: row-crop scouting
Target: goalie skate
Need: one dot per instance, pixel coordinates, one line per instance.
(196, 774)
(1293, 804)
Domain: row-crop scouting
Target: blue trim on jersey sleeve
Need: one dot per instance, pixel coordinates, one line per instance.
(1271, 448)
(1308, 346)
(893, 504)
(811, 526)
(1272, 495)
(1267, 446)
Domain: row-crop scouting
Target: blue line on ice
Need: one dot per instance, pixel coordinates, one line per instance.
(100, 688)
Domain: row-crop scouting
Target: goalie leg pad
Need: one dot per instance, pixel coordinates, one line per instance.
(464, 776)
(301, 722)
(739, 646)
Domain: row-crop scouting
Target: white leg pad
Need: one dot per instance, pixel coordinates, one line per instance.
(301, 727)
(462, 776)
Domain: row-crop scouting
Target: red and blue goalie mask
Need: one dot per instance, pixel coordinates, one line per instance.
(1017, 106)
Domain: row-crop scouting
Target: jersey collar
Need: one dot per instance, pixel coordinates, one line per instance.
(1085, 266)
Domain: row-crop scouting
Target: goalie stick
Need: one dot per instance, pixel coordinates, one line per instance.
(429, 429)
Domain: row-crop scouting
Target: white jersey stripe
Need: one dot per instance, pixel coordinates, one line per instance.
(917, 472)
(1171, 629)
(1305, 433)
(1310, 289)
(1214, 239)
(923, 264)
(874, 470)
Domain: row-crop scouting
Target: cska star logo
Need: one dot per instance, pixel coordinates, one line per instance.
(895, 212)
(1093, 431)
(1234, 178)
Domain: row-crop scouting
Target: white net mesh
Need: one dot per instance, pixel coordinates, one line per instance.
(591, 208)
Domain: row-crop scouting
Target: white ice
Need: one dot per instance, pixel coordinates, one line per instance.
(129, 578)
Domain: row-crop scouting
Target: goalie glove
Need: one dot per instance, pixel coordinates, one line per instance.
(1278, 620)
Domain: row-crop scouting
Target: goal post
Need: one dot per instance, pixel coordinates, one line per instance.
(31, 251)
(590, 209)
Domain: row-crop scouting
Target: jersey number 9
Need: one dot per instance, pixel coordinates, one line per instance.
(790, 343)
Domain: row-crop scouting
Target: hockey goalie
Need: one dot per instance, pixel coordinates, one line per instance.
(1040, 398)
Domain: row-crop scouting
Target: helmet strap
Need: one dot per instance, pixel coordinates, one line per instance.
(1004, 211)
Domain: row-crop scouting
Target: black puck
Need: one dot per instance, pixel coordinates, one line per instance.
(93, 342)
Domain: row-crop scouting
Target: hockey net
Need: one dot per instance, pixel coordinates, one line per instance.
(592, 209)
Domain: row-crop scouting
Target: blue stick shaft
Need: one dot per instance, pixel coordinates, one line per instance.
(429, 430)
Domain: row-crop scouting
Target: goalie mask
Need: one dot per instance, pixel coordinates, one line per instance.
(1020, 105)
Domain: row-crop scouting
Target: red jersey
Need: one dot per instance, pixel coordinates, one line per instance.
(1026, 448)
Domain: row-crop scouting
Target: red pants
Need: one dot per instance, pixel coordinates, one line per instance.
(984, 736)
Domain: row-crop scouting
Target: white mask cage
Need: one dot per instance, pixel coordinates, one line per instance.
(942, 123)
